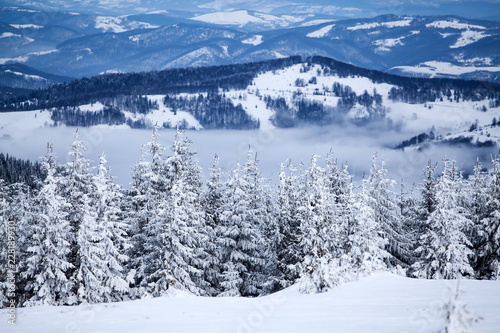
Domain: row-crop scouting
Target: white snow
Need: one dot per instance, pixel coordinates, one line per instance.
(440, 67)
(282, 21)
(315, 22)
(240, 18)
(475, 61)
(42, 52)
(225, 49)
(9, 34)
(162, 11)
(384, 45)
(446, 115)
(91, 107)
(108, 23)
(468, 37)
(381, 303)
(446, 35)
(34, 77)
(254, 40)
(165, 115)
(117, 25)
(365, 26)
(393, 24)
(243, 17)
(3, 61)
(454, 24)
(24, 58)
(321, 32)
(279, 55)
(14, 123)
(26, 26)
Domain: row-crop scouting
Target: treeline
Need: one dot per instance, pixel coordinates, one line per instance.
(80, 238)
(14, 170)
(110, 114)
(172, 81)
(418, 90)
(213, 111)
(306, 110)
(240, 76)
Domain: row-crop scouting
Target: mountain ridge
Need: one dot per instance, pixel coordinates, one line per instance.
(406, 45)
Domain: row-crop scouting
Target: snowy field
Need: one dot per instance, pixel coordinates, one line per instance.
(381, 303)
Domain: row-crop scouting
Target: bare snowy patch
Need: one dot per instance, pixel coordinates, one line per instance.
(321, 32)
(468, 37)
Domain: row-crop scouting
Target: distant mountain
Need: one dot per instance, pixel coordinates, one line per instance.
(18, 79)
(77, 45)
(340, 9)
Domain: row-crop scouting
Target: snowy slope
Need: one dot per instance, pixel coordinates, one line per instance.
(12, 122)
(445, 116)
(381, 303)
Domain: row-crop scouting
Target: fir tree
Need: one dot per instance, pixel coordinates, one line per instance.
(244, 256)
(48, 264)
(385, 210)
(288, 203)
(214, 207)
(445, 249)
(488, 255)
(112, 230)
(318, 234)
(148, 189)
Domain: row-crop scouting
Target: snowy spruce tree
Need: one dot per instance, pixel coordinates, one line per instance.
(367, 246)
(20, 215)
(318, 240)
(114, 239)
(92, 250)
(181, 221)
(244, 269)
(488, 246)
(383, 201)
(48, 264)
(213, 201)
(477, 211)
(290, 205)
(148, 188)
(444, 247)
(4, 246)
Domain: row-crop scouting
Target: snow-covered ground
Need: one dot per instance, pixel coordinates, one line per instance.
(321, 32)
(381, 303)
(440, 67)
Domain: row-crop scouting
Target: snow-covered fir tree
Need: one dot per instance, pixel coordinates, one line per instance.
(112, 229)
(383, 201)
(4, 246)
(488, 253)
(214, 206)
(479, 187)
(290, 204)
(444, 247)
(20, 215)
(89, 239)
(48, 265)
(148, 188)
(178, 234)
(318, 240)
(367, 246)
(244, 256)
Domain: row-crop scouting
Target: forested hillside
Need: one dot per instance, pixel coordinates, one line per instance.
(86, 240)
(322, 92)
